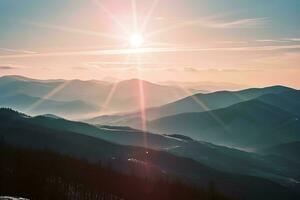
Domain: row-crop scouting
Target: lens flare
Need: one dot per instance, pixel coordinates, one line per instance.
(136, 40)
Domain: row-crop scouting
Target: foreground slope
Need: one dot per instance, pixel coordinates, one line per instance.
(19, 130)
(42, 175)
(214, 156)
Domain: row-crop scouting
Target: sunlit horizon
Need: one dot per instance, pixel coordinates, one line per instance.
(187, 42)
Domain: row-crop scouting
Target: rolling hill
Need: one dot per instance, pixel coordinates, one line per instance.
(24, 131)
(36, 105)
(209, 154)
(289, 100)
(195, 103)
(250, 124)
(42, 174)
(125, 95)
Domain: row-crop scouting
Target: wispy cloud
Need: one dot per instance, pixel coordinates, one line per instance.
(129, 65)
(232, 42)
(190, 69)
(218, 70)
(216, 22)
(293, 39)
(266, 40)
(111, 63)
(271, 41)
(240, 23)
(125, 51)
(6, 68)
(284, 60)
(17, 51)
(279, 40)
(74, 30)
(80, 68)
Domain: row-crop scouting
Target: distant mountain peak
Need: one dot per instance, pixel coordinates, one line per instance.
(15, 78)
(50, 116)
(134, 80)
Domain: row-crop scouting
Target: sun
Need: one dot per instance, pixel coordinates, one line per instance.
(136, 40)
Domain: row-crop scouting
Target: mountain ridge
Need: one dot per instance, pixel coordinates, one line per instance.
(194, 103)
(20, 131)
(123, 96)
(252, 117)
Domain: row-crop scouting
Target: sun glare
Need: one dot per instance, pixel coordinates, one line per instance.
(136, 40)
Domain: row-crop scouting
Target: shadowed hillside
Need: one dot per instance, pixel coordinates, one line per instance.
(41, 175)
(250, 124)
(194, 103)
(18, 129)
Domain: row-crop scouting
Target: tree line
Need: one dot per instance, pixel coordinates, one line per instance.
(45, 175)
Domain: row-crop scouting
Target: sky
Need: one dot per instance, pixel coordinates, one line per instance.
(254, 43)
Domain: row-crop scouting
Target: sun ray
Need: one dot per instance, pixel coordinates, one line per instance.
(75, 30)
(143, 112)
(126, 51)
(111, 92)
(174, 27)
(134, 16)
(47, 96)
(142, 101)
(136, 40)
(205, 21)
(203, 106)
(108, 98)
(112, 16)
(160, 45)
(149, 15)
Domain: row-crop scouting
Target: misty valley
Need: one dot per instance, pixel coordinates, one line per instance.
(241, 144)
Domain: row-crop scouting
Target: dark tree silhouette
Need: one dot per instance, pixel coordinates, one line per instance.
(44, 175)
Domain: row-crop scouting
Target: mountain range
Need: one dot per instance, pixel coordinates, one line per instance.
(247, 138)
(35, 133)
(76, 98)
(250, 124)
(243, 119)
(195, 103)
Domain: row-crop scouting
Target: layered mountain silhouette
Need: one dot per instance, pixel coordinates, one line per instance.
(94, 96)
(211, 101)
(37, 105)
(250, 124)
(206, 86)
(195, 103)
(289, 100)
(244, 119)
(247, 138)
(27, 132)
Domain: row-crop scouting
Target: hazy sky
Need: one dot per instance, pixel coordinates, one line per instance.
(252, 42)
